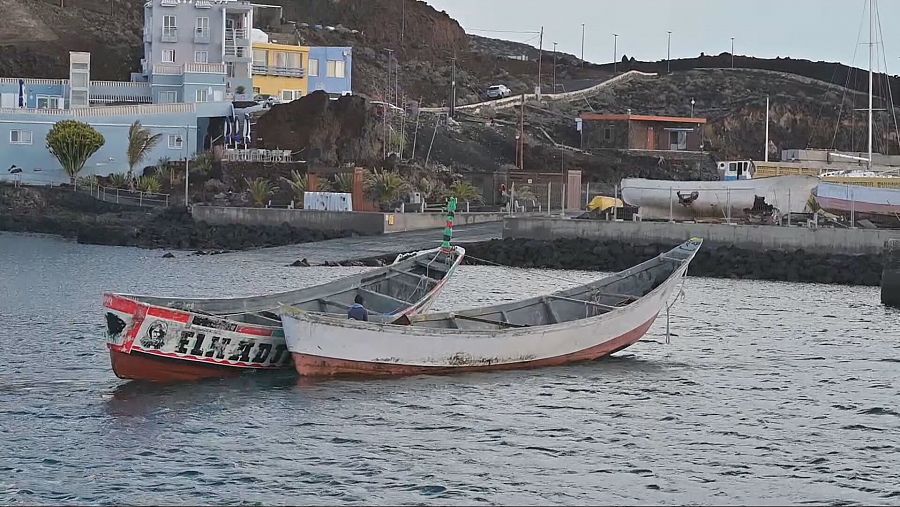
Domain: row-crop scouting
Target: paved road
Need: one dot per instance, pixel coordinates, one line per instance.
(362, 247)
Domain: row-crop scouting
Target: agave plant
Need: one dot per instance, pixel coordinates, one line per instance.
(149, 184)
(343, 182)
(524, 193)
(386, 187)
(465, 192)
(261, 190)
(118, 180)
(203, 163)
(298, 183)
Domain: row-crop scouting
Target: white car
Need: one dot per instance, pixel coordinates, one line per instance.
(498, 92)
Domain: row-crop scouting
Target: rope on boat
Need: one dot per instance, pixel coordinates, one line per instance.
(669, 306)
(536, 272)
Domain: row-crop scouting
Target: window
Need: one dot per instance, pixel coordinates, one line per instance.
(168, 56)
(79, 80)
(202, 95)
(201, 56)
(168, 97)
(294, 61)
(79, 98)
(20, 137)
(80, 66)
(607, 133)
(260, 57)
(280, 59)
(335, 68)
(175, 142)
(313, 67)
(229, 69)
(45, 102)
(256, 90)
(202, 27)
(169, 31)
(287, 95)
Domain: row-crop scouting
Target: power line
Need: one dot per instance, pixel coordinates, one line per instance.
(502, 31)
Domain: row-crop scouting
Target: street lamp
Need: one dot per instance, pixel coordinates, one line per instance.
(554, 67)
(732, 52)
(615, 51)
(692, 107)
(669, 52)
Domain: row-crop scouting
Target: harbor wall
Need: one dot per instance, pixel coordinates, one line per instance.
(750, 237)
(363, 223)
(890, 276)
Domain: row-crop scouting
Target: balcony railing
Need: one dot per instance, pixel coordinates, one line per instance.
(169, 34)
(168, 3)
(238, 51)
(201, 37)
(172, 69)
(267, 70)
(202, 4)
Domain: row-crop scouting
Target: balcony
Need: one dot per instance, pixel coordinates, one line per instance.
(266, 70)
(169, 3)
(201, 37)
(238, 53)
(169, 34)
(202, 4)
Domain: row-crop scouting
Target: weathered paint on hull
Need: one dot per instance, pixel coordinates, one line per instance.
(150, 368)
(316, 366)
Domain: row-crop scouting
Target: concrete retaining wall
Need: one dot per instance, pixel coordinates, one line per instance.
(761, 238)
(890, 277)
(358, 222)
(418, 221)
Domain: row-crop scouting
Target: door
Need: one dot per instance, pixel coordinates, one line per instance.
(651, 138)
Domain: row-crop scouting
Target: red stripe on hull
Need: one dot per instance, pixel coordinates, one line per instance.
(844, 205)
(317, 366)
(138, 366)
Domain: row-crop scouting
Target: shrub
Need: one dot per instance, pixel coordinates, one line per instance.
(149, 184)
(72, 143)
(464, 191)
(343, 182)
(118, 180)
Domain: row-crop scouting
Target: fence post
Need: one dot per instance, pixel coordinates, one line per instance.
(167, 200)
(549, 193)
(789, 207)
(671, 211)
(616, 202)
(141, 199)
(562, 204)
(117, 196)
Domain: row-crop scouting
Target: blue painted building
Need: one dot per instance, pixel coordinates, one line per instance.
(331, 69)
(197, 60)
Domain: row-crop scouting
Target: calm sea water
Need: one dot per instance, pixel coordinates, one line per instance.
(768, 393)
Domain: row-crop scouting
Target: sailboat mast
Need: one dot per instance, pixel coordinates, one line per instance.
(871, 76)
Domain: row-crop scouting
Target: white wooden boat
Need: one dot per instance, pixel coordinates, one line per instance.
(844, 199)
(168, 339)
(688, 200)
(579, 324)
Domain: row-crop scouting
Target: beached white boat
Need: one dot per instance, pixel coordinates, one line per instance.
(845, 199)
(168, 339)
(689, 200)
(579, 324)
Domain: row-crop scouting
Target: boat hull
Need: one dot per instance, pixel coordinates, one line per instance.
(160, 344)
(858, 199)
(715, 199)
(324, 346)
(309, 365)
(150, 368)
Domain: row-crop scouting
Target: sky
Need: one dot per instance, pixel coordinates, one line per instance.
(811, 29)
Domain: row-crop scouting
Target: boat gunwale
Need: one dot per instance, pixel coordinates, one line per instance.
(385, 269)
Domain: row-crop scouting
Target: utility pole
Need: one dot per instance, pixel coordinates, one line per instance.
(554, 67)
(521, 139)
(387, 94)
(732, 52)
(187, 167)
(767, 129)
(540, 60)
(582, 45)
(669, 53)
(615, 52)
(453, 87)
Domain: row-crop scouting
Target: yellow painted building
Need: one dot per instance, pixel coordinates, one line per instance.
(280, 70)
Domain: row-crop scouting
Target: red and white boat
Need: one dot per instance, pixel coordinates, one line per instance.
(168, 339)
(579, 324)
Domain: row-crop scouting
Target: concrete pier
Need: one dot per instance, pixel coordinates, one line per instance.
(890, 276)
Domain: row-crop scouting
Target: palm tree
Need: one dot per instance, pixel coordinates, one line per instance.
(140, 143)
(465, 192)
(260, 190)
(298, 183)
(386, 188)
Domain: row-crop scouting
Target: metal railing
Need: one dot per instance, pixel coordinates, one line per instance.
(201, 36)
(169, 34)
(269, 70)
(129, 197)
